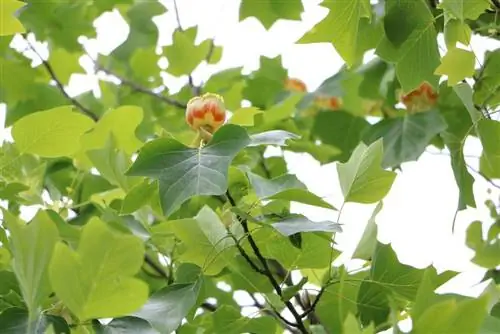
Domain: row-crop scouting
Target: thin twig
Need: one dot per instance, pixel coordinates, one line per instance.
(60, 86)
(496, 3)
(274, 313)
(300, 325)
(155, 266)
(208, 307)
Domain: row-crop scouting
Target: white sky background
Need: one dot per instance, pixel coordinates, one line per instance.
(419, 210)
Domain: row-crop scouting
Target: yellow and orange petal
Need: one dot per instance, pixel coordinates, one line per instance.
(420, 99)
(295, 85)
(328, 102)
(207, 111)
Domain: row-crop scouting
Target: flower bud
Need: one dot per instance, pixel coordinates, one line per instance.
(295, 85)
(328, 102)
(207, 111)
(421, 99)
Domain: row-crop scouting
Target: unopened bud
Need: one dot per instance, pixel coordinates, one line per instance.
(295, 85)
(207, 111)
(328, 102)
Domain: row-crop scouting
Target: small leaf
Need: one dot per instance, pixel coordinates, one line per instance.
(362, 178)
(10, 24)
(138, 196)
(456, 31)
(51, 133)
(245, 116)
(489, 133)
(273, 137)
(96, 281)
(32, 246)
(457, 64)
(291, 291)
(296, 224)
(64, 64)
(269, 11)
(366, 245)
(166, 308)
(465, 9)
(184, 172)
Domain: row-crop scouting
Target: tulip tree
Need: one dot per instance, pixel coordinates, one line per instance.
(153, 208)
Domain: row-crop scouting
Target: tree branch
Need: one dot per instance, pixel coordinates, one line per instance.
(60, 86)
(274, 313)
(496, 3)
(267, 271)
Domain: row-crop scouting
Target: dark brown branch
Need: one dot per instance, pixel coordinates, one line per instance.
(208, 307)
(245, 255)
(267, 271)
(60, 86)
(155, 267)
(316, 301)
(274, 313)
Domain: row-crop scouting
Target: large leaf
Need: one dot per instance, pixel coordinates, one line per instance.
(269, 11)
(207, 242)
(362, 179)
(184, 172)
(51, 133)
(32, 247)
(341, 130)
(10, 24)
(96, 281)
(405, 138)
(341, 27)
(166, 308)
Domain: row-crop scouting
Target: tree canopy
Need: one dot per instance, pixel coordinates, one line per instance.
(155, 206)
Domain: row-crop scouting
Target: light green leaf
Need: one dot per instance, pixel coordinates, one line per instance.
(166, 308)
(10, 25)
(207, 243)
(296, 224)
(489, 133)
(51, 133)
(464, 92)
(144, 63)
(373, 304)
(352, 326)
(269, 11)
(245, 116)
(465, 9)
(138, 196)
(121, 123)
(183, 55)
(405, 138)
(286, 187)
(64, 64)
(96, 281)
(184, 172)
(362, 178)
(487, 252)
(456, 31)
(282, 110)
(487, 85)
(368, 242)
(341, 27)
(32, 246)
(273, 137)
(457, 64)
(228, 320)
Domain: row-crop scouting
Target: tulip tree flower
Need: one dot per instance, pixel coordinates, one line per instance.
(205, 114)
(421, 99)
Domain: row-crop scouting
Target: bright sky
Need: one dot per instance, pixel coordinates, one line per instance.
(419, 210)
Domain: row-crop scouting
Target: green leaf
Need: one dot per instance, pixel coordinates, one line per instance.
(245, 116)
(341, 130)
(10, 24)
(184, 172)
(207, 242)
(183, 55)
(144, 63)
(51, 133)
(286, 187)
(229, 320)
(457, 64)
(32, 246)
(373, 304)
(273, 137)
(490, 325)
(487, 86)
(418, 56)
(368, 242)
(64, 64)
(125, 325)
(96, 281)
(291, 291)
(166, 308)
(351, 325)
(405, 138)
(487, 251)
(456, 31)
(489, 133)
(269, 11)
(138, 196)
(296, 224)
(16, 320)
(341, 27)
(121, 123)
(465, 9)
(362, 179)
(283, 109)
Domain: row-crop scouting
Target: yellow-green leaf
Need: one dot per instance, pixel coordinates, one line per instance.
(457, 64)
(9, 24)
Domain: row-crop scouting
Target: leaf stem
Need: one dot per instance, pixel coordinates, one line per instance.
(267, 271)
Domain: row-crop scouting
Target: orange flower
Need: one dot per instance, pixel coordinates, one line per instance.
(421, 99)
(207, 111)
(295, 85)
(328, 102)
